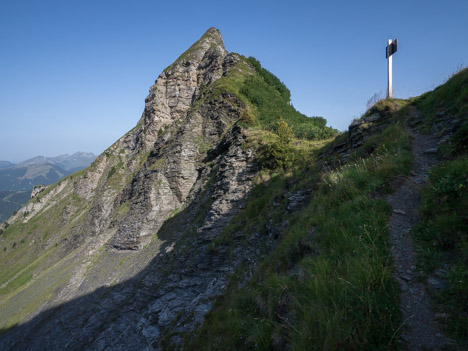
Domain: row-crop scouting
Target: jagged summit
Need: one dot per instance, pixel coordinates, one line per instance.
(212, 38)
(179, 84)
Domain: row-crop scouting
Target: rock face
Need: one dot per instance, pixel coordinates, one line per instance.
(359, 131)
(179, 85)
(123, 255)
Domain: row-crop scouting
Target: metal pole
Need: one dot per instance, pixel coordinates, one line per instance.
(389, 70)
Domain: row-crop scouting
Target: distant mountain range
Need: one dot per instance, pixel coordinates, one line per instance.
(6, 164)
(41, 170)
(67, 162)
(18, 180)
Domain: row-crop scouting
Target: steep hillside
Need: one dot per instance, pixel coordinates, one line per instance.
(124, 245)
(227, 220)
(442, 232)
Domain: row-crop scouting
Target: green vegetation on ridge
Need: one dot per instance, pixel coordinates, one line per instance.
(266, 100)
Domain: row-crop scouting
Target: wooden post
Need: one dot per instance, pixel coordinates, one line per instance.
(389, 69)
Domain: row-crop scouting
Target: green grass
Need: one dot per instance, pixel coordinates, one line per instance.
(21, 262)
(271, 79)
(451, 96)
(328, 284)
(442, 239)
(271, 105)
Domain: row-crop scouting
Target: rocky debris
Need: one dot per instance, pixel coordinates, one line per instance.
(359, 130)
(174, 292)
(437, 283)
(444, 126)
(432, 150)
(297, 200)
(230, 62)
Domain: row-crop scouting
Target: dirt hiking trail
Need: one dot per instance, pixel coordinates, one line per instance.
(420, 328)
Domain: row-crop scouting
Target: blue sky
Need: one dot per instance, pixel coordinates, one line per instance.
(74, 74)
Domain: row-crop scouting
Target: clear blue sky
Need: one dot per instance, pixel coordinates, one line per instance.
(74, 74)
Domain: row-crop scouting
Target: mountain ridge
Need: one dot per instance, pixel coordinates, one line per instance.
(42, 170)
(66, 161)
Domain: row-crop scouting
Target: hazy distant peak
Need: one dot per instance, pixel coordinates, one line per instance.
(6, 164)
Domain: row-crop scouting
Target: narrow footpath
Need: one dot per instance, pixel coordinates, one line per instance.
(420, 330)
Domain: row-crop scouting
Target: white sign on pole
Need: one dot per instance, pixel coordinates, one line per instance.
(391, 48)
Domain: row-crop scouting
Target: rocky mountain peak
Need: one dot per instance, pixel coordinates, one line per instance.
(211, 40)
(143, 216)
(178, 86)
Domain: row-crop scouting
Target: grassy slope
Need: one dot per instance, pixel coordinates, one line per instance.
(451, 97)
(442, 234)
(35, 257)
(28, 252)
(328, 284)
